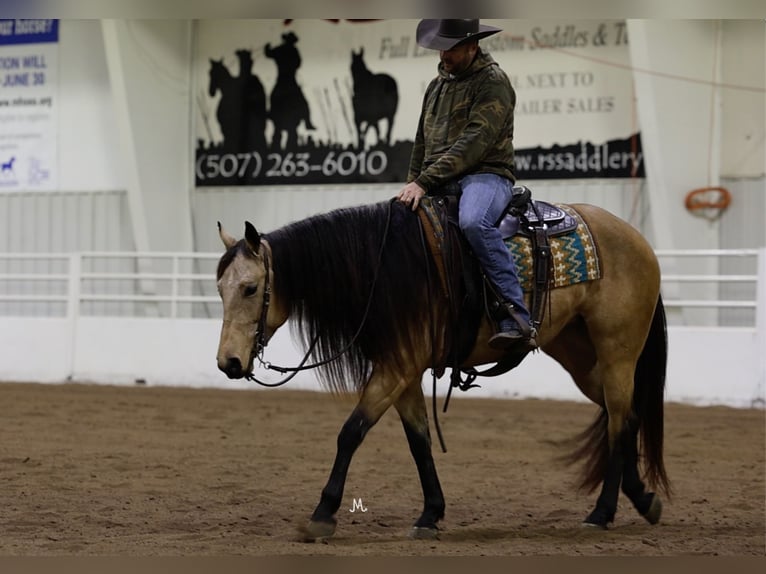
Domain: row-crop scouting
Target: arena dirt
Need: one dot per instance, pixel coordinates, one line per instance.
(141, 471)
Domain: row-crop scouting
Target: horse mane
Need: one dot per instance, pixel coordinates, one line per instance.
(324, 271)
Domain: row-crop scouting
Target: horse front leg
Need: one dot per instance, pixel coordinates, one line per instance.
(323, 521)
(378, 395)
(411, 407)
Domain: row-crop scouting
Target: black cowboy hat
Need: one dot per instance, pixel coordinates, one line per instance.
(446, 34)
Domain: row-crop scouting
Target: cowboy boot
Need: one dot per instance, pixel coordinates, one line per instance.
(514, 332)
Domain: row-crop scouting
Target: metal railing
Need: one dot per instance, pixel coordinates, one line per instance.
(714, 287)
(725, 287)
(152, 284)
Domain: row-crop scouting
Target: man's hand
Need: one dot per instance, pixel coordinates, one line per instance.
(411, 194)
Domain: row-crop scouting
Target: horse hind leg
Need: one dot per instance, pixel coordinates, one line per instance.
(648, 504)
(361, 134)
(412, 411)
(633, 400)
(618, 397)
(389, 129)
(621, 473)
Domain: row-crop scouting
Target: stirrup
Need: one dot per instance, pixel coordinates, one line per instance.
(525, 327)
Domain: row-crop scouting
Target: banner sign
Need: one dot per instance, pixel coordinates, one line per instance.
(28, 90)
(338, 101)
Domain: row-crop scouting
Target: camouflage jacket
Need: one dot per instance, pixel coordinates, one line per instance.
(465, 126)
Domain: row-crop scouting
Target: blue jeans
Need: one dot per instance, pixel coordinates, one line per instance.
(485, 197)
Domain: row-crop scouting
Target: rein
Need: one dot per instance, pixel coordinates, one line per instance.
(434, 409)
(259, 344)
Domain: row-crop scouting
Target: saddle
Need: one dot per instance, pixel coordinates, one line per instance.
(467, 289)
(554, 220)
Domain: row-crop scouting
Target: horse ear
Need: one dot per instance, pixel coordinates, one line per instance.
(361, 51)
(252, 237)
(227, 239)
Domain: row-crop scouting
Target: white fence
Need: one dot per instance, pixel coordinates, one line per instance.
(154, 317)
(110, 283)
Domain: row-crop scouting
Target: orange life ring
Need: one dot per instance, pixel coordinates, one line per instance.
(702, 198)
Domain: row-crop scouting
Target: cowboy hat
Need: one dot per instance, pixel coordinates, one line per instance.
(446, 34)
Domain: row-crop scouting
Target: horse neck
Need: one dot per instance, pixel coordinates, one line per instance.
(360, 72)
(222, 80)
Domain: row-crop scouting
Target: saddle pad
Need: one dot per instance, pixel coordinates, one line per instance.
(575, 256)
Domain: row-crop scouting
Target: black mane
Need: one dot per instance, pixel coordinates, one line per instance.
(324, 270)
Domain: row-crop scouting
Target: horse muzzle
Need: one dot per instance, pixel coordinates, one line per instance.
(233, 368)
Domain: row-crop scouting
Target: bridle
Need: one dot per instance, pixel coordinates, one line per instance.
(260, 343)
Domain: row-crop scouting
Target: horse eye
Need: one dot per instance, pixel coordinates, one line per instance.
(250, 290)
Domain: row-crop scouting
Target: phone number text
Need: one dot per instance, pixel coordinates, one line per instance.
(255, 165)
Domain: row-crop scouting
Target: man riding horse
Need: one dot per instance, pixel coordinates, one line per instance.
(465, 134)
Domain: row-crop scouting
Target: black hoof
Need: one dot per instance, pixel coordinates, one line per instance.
(598, 519)
(654, 512)
(316, 531)
(424, 533)
(649, 506)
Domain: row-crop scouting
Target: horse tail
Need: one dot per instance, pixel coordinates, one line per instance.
(648, 399)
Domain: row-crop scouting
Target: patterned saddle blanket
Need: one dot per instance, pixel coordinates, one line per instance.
(574, 254)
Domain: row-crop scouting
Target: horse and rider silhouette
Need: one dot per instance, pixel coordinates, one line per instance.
(242, 112)
(288, 104)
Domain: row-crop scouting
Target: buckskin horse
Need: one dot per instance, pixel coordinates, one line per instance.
(360, 288)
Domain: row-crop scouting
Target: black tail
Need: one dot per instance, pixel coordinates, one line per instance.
(649, 397)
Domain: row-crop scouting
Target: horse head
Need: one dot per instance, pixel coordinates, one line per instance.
(357, 62)
(250, 316)
(218, 73)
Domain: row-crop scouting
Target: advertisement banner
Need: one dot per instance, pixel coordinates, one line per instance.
(338, 101)
(28, 93)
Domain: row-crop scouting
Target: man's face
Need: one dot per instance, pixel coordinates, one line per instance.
(459, 58)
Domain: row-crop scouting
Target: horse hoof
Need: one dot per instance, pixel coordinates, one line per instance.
(587, 524)
(317, 531)
(424, 533)
(655, 510)
(598, 519)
